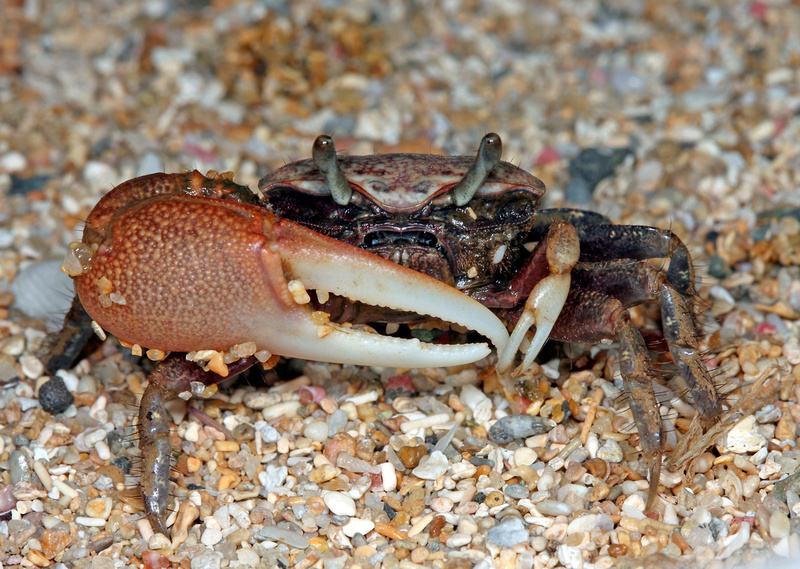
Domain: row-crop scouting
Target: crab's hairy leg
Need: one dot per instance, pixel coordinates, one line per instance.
(588, 317)
(170, 377)
(632, 282)
(559, 252)
(679, 331)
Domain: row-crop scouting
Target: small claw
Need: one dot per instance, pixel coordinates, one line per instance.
(541, 310)
(182, 273)
(547, 298)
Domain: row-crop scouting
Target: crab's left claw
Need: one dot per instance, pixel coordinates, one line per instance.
(182, 273)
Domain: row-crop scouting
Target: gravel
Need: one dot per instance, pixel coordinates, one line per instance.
(681, 115)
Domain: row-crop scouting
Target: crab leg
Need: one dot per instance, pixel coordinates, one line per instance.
(183, 273)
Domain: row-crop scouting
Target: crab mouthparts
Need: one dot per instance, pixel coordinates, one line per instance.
(417, 250)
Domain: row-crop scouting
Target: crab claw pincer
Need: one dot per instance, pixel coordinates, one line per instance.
(178, 263)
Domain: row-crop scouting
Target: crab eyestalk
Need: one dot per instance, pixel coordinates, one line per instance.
(487, 159)
(324, 154)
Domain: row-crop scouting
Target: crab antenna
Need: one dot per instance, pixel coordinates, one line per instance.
(488, 158)
(324, 155)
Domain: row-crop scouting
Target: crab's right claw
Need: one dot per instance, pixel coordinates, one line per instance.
(181, 272)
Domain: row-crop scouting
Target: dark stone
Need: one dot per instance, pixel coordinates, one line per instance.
(54, 397)
(480, 461)
(717, 267)
(101, 543)
(589, 168)
(513, 427)
(21, 186)
(123, 463)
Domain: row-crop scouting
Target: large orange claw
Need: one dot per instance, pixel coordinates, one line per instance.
(179, 263)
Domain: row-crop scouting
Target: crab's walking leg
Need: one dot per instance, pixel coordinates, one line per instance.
(589, 316)
(596, 309)
(632, 282)
(171, 377)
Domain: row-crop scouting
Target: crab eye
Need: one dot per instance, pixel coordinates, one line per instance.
(324, 155)
(487, 159)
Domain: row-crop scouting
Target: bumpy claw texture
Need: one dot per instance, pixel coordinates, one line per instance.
(181, 263)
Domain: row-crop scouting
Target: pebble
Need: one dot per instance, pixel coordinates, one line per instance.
(585, 523)
(389, 476)
(570, 557)
(99, 508)
(432, 466)
(525, 456)
(211, 536)
(734, 542)
(290, 538)
(54, 396)
(13, 162)
(477, 401)
(779, 525)
(508, 533)
(425, 422)
(516, 491)
(791, 351)
(610, 451)
(206, 560)
(339, 503)
(247, 556)
(513, 427)
(358, 526)
(316, 431)
(19, 467)
(285, 409)
(158, 541)
(441, 504)
(41, 290)
(744, 437)
(458, 540)
(90, 522)
(553, 508)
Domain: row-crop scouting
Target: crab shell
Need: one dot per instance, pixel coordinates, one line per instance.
(403, 209)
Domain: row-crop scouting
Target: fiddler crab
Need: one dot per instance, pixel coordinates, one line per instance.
(186, 263)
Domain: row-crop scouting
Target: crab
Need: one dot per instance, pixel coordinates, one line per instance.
(187, 263)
